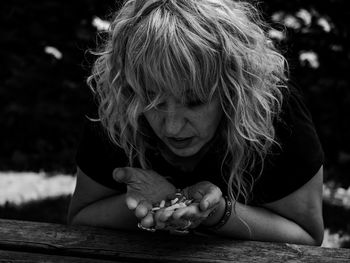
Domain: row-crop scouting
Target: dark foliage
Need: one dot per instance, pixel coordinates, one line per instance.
(326, 88)
(43, 100)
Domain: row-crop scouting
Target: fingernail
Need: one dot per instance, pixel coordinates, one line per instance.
(131, 203)
(118, 174)
(205, 205)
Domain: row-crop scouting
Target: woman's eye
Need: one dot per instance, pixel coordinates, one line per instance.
(194, 103)
(161, 105)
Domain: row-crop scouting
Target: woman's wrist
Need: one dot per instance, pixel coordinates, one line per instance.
(216, 215)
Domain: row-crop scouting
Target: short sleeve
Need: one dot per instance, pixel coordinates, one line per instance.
(97, 156)
(296, 159)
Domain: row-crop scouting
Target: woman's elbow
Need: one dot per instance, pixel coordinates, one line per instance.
(75, 220)
(315, 236)
(309, 240)
(318, 236)
(313, 241)
(71, 218)
(318, 242)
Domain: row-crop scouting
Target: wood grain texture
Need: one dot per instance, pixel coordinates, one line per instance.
(21, 257)
(106, 244)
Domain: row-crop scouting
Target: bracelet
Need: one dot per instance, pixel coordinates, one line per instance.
(226, 215)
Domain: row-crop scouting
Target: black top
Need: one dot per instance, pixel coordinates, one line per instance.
(286, 168)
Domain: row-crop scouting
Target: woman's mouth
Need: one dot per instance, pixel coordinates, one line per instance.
(179, 143)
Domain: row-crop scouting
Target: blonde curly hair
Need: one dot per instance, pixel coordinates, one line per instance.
(197, 47)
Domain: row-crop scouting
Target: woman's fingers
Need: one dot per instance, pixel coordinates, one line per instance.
(122, 175)
(142, 209)
(128, 175)
(181, 218)
(160, 225)
(161, 218)
(132, 201)
(211, 198)
(163, 215)
(148, 220)
(191, 211)
(180, 213)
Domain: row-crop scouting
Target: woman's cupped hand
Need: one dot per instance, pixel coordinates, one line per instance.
(206, 199)
(144, 189)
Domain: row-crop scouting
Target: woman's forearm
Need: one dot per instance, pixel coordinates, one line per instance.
(257, 223)
(245, 222)
(110, 212)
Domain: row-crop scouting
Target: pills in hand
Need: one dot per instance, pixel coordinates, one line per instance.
(180, 201)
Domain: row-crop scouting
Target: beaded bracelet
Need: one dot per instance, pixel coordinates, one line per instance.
(226, 215)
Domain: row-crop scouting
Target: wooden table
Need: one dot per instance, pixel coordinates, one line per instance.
(22, 241)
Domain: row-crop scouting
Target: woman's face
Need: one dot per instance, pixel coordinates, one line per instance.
(185, 129)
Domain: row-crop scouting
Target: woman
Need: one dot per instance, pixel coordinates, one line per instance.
(192, 95)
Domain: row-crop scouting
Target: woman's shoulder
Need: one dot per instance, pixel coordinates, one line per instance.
(298, 153)
(294, 117)
(97, 156)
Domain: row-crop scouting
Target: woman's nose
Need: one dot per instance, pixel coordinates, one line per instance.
(174, 120)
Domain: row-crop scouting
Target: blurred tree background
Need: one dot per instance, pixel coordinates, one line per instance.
(44, 64)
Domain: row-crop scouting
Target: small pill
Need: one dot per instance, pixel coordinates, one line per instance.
(155, 208)
(174, 201)
(172, 207)
(188, 202)
(162, 204)
(183, 198)
(182, 205)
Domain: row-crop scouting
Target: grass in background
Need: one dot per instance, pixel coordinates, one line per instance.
(35, 196)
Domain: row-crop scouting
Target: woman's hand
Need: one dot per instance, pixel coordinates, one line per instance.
(206, 198)
(205, 193)
(144, 188)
